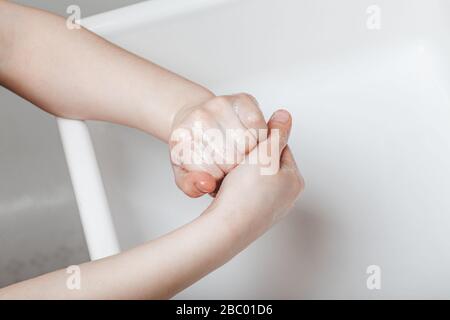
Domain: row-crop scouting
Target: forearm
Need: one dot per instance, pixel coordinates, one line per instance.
(247, 205)
(76, 74)
(156, 270)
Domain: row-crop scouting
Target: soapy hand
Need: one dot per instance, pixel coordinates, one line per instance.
(211, 139)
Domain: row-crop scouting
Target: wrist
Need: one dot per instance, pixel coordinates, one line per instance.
(243, 225)
(160, 121)
(197, 98)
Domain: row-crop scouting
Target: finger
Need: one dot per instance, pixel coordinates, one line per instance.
(220, 141)
(194, 183)
(269, 152)
(249, 113)
(216, 191)
(236, 142)
(188, 150)
(236, 112)
(280, 125)
(203, 161)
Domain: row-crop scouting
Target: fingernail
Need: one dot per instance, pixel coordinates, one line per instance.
(281, 116)
(202, 186)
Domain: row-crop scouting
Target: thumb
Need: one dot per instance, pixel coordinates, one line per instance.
(269, 151)
(280, 125)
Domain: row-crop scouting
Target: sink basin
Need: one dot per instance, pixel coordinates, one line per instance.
(371, 134)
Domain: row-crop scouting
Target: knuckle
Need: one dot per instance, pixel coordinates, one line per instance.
(255, 120)
(253, 115)
(200, 114)
(247, 98)
(219, 102)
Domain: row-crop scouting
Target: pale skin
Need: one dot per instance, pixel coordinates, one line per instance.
(157, 101)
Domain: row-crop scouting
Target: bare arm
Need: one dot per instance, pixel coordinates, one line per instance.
(247, 205)
(157, 270)
(77, 74)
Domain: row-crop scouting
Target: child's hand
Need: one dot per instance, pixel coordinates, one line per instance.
(218, 133)
(252, 202)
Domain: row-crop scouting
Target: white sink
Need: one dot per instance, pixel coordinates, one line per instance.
(372, 137)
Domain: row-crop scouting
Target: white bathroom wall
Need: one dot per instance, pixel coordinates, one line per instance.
(40, 230)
